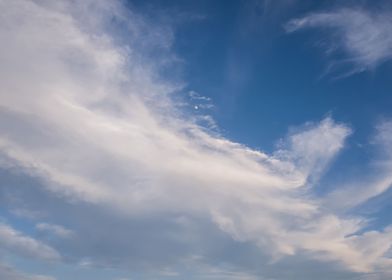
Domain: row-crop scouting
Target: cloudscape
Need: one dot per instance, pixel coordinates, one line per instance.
(155, 140)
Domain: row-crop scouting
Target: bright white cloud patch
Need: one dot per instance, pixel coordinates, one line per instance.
(364, 36)
(89, 116)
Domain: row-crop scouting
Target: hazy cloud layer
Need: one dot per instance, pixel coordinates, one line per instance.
(9, 273)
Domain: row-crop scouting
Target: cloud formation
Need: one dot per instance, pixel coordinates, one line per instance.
(9, 273)
(56, 230)
(364, 37)
(85, 112)
(377, 182)
(16, 243)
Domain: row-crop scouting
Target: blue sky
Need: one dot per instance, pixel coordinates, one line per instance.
(195, 140)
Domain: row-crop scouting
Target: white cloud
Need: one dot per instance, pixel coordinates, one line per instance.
(357, 192)
(313, 148)
(364, 36)
(57, 230)
(91, 118)
(16, 243)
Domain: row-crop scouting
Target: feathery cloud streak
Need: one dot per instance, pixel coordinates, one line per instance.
(363, 36)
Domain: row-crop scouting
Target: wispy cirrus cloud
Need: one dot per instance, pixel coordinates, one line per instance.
(88, 116)
(16, 242)
(363, 37)
(56, 230)
(376, 182)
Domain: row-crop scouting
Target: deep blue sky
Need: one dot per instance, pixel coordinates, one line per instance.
(262, 79)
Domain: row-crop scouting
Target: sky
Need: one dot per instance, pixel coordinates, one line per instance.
(156, 140)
